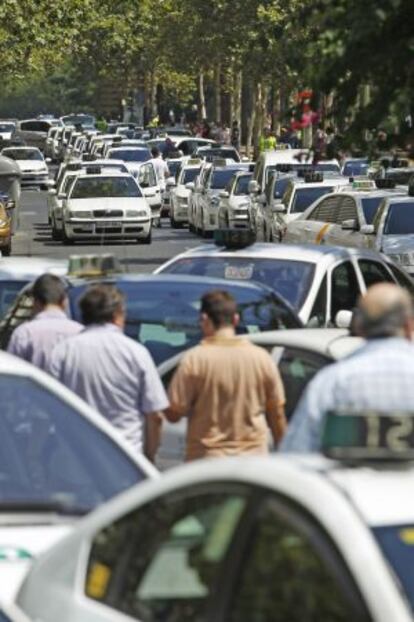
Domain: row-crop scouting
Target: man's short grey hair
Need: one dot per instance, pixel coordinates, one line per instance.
(388, 324)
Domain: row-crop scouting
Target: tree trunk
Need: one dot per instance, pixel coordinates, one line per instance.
(238, 81)
(276, 112)
(153, 95)
(201, 96)
(217, 92)
(251, 121)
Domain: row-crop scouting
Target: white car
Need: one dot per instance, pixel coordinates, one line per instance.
(196, 188)
(345, 218)
(273, 217)
(105, 205)
(33, 166)
(7, 129)
(299, 354)
(234, 203)
(59, 460)
(320, 282)
(394, 230)
(240, 539)
(180, 193)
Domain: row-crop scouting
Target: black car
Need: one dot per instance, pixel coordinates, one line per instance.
(163, 310)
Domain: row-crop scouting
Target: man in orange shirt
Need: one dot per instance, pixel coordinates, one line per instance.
(230, 389)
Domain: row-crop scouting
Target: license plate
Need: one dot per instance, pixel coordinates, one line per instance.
(108, 225)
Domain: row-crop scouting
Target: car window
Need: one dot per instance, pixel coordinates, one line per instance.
(104, 187)
(345, 288)
(402, 279)
(291, 572)
(52, 454)
(347, 210)
(370, 207)
(297, 367)
(304, 197)
(163, 561)
(374, 272)
(400, 219)
(326, 210)
(8, 292)
(317, 317)
(396, 542)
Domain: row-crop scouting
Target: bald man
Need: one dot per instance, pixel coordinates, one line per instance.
(378, 376)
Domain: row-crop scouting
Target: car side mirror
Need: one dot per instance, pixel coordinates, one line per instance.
(253, 187)
(343, 319)
(349, 225)
(48, 160)
(190, 185)
(278, 207)
(62, 196)
(223, 194)
(367, 229)
(262, 199)
(52, 191)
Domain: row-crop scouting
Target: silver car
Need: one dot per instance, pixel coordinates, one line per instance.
(394, 230)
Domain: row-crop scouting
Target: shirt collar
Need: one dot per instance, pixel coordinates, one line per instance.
(385, 342)
(108, 326)
(51, 313)
(225, 341)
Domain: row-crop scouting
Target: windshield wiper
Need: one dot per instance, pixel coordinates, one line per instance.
(55, 506)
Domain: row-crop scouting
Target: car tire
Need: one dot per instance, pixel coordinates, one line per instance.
(146, 240)
(6, 251)
(66, 241)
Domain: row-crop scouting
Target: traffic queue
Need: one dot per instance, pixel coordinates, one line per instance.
(288, 333)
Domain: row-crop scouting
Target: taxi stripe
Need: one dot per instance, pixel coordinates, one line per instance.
(321, 233)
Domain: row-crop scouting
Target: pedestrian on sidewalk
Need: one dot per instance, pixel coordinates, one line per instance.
(379, 376)
(229, 389)
(35, 340)
(112, 372)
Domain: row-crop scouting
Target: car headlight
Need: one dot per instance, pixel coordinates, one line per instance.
(136, 213)
(80, 214)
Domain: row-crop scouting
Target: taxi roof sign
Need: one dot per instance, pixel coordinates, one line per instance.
(93, 265)
(234, 238)
(194, 161)
(383, 184)
(363, 184)
(368, 436)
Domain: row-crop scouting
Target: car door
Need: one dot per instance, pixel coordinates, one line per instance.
(344, 289)
(345, 231)
(315, 222)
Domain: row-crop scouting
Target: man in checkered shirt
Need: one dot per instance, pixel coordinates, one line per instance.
(379, 376)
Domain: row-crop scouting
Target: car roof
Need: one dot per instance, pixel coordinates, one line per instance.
(108, 173)
(295, 252)
(129, 148)
(332, 342)
(297, 182)
(371, 194)
(400, 199)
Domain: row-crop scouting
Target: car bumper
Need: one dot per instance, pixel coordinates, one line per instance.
(36, 182)
(82, 228)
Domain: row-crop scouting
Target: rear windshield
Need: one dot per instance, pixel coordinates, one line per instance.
(290, 279)
(280, 187)
(400, 219)
(105, 187)
(370, 207)
(304, 197)
(130, 155)
(354, 168)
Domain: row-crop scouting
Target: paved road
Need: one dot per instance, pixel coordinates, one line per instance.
(34, 239)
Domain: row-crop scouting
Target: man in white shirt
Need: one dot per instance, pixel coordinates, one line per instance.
(160, 167)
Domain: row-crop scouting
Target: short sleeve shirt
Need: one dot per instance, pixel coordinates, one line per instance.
(225, 386)
(113, 374)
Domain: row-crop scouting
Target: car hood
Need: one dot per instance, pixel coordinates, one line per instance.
(398, 243)
(115, 203)
(291, 217)
(31, 165)
(19, 547)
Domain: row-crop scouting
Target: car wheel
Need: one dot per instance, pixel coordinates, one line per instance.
(146, 240)
(6, 251)
(157, 223)
(66, 241)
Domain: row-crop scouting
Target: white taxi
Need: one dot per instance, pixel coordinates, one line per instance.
(322, 283)
(180, 193)
(272, 538)
(33, 166)
(345, 218)
(301, 192)
(233, 210)
(394, 230)
(105, 205)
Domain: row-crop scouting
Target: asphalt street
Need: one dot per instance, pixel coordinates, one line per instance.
(33, 239)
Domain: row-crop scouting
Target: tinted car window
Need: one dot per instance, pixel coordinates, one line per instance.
(219, 179)
(326, 211)
(397, 545)
(105, 187)
(347, 210)
(374, 272)
(23, 154)
(304, 197)
(280, 187)
(291, 279)
(370, 207)
(50, 453)
(189, 175)
(130, 155)
(163, 561)
(400, 219)
(242, 185)
(8, 292)
(291, 573)
(35, 126)
(354, 168)
(345, 288)
(402, 279)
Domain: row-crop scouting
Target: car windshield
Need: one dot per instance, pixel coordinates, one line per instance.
(210, 154)
(397, 544)
(304, 197)
(105, 187)
(370, 206)
(400, 219)
(51, 455)
(189, 175)
(164, 316)
(242, 185)
(280, 187)
(355, 167)
(130, 155)
(220, 179)
(82, 119)
(23, 154)
(7, 127)
(174, 166)
(290, 279)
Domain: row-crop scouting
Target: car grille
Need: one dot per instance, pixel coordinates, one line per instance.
(108, 213)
